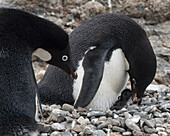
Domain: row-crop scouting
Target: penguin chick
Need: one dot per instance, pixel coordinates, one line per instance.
(107, 50)
(21, 34)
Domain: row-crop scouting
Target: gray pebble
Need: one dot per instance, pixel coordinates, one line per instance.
(131, 125)
(94, 121)
(55, 133)
(75, 114)
(127, 115)
(150, 123)
(160, 129)
(98, 133)
(67, 107)
(128, 133)
(114, 122)
(157, 114)
(135, 118)
(96, 114)
(82, 121)
(57, 126)
(162, 134)
(118, 129)
(149, 130)
(44, 134)
(44, 128)
(137, 133)
(153, 135)
(103, 125)
(88, 130)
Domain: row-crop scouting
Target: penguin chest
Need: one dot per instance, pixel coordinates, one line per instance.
(114, 80)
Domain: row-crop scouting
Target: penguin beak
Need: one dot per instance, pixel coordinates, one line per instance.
(73, 75)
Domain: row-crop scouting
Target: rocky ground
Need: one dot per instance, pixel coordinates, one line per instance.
(152, 117)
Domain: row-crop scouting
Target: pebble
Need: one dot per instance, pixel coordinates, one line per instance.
(55, 133)
(162, 134)
(150, 123)
(103, 125)
(131, 125)
(128, 133)
(58, 126)
(114, 122)
(44, 134)
(88, 130)
(160, 129)
(83, 121)
(135, 118)
(96, 114)
(118, 129)
(149, 130)
(98, 133)
(78, 128)
(67, 107)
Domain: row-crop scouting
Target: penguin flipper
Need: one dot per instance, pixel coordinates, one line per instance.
(93, 65)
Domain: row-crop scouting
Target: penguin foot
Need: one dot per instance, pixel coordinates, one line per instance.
(122, 99)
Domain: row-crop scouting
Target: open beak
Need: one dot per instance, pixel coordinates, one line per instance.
(73, 75)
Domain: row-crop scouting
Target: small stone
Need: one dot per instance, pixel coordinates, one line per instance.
(78, 128)
(60, 118)
(162, 133)
(115, 134)
(68, 119)
(148, 130)
(98, 133)
(67, 107)
(94, 121)
(102, 118)
(55, 133)
(109, 113)
(118, 129)
(66, 133)
(159, 120)
(157, 114)
(103, 125)
(131, 125)
(128, 133)
(153, 135)
(58, 126)
(127, 115)
(95, 114)
(75, 114)
(137, 133)
(150, 123)
(82, 121)
(80, 109)
(44, 134)
(44, 128)
(88, 130)
(135, 118)
(115, 116)
(160, 129)
(114, 122)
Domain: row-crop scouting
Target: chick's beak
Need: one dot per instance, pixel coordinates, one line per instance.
(73, 75)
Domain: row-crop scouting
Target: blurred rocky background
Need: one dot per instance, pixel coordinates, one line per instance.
(154, 17)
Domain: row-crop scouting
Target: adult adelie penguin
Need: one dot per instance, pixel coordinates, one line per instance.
(20, 35)
(105, 49)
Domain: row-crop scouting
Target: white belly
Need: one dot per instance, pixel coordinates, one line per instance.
(114, 80)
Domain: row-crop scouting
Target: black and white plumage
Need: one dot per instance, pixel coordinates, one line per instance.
(106, 50)
(21, 34)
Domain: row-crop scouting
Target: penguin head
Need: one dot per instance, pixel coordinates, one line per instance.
(56, 51)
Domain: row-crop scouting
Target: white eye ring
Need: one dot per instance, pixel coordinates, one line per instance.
(64, 58)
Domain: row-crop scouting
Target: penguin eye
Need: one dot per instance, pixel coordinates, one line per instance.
(64, 58)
